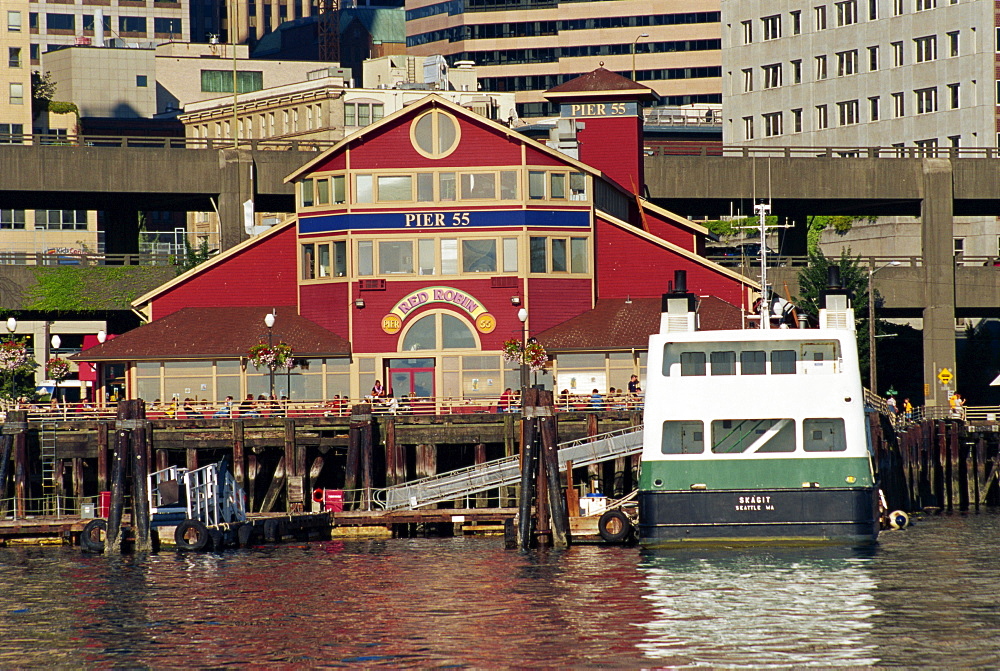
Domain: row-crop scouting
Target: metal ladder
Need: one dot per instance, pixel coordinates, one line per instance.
(47, 447)
(507, 471)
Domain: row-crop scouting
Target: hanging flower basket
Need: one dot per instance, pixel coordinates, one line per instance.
(13, 356)
(533, 354)
(278, 355)
(56, 369)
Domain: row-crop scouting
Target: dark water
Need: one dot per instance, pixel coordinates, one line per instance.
(928, 596)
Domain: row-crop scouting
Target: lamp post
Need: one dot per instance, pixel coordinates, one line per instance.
(872, 362)
(634, 42)
(11, 327)
(522, 315)
(56, 342)
(269, 323)
(102, 337)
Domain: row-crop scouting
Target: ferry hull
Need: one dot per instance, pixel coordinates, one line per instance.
(756, 516)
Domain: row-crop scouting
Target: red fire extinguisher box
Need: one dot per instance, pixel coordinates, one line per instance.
(333, 500)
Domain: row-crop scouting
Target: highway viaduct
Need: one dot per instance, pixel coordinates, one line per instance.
(122, 181)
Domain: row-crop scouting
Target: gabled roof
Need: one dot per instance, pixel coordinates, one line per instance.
(674, 218)
(434, 100)
(601, 82)
(217, 333)
(215, 260)
(616, 323)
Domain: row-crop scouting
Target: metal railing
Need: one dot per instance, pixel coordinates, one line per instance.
(840, 152)
(133, 141)
(87, 259)
(783, 261)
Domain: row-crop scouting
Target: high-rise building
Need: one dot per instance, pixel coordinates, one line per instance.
(534, 45)
(848, 73)
(15, 73)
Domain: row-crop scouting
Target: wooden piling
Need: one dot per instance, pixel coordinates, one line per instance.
(550, 459)
(239, 458)
(360, 415)
(140, 473)
(528, 469)
(102, 457)
(593, 470)
(977, 459)
(22, 468)
(295, 468)
(367, 447)
(16, 422)
(479, 458)
(77, 481)
(113, 540)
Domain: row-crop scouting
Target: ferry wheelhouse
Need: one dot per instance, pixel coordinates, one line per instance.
(756, 435)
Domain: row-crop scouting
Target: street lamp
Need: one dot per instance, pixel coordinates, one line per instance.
(56, 341)
(11, 327)
(872, 364)
(269, 323)
(102, 337)
(522, 315)
(634, 42)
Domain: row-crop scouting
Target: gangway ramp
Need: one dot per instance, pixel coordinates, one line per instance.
(505, 472)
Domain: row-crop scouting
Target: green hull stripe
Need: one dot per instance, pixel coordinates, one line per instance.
(676, 475)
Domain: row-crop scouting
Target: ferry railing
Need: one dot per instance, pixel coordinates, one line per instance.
(505, 471)
(51, 506)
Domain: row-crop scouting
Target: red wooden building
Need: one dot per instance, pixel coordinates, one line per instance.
(416, 242)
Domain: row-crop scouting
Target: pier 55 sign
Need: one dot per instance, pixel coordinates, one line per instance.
(393, 322)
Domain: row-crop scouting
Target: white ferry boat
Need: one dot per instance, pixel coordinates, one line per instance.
(756, 435)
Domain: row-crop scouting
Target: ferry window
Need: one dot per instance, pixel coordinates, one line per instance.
(395, 257)
(510, 255)
(577, 186)
(683, 438)
(425, 187)
(306, 190)
(824, 435)
(364, 188)
(783, 362)
(323, 260)
(508, 185)
(479, 256)
(449, 257)
(308, 253)
(446, 186)
(537, 255)
(557, 185)
(753, 362)
(723, 363)
(479, 185)
(322, 191)
(393, 188)
(536, 185)
(578, 255)
(692, 363)
(425, 256)
(366, 263)
(736, 436)
(558, 255)
(340, 258)
(338, 190)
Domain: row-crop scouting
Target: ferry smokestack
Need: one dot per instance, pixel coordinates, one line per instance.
(680, 281)
(833, 277)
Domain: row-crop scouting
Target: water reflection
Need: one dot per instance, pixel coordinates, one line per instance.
(761, 607)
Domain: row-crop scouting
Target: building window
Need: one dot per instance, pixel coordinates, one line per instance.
(897, 7)
(434, 134)
(926, 48)
(872, 10)
(221, 81)
(747, 32)
(897, 54)
(873, 108)
(132, 24)
(898, 105)
(773, 124)
(60, 23)
(847, 63)
(14, 23)
(872, 59)
(61, 220)
(363, 114)
(12, 219)
(11, 133)
(926, 100)
(821, 67)
(923, 5)
(848, 112)
(14, 57)
(141, 81)
(819, 15)
(167, 26)
(953, 97)
(772, 27)
(772, 76)
(958, 246)
(822, 119)
(748, 80)
(35, 52)
(748, 127)
(796, 22)
(796, 72)
(797, 120)
(955, 140)
(16, 93)
(847, 12)
(479, 256)
(395, 257)
(953, 43)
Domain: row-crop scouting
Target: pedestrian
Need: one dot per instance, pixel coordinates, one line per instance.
(907, 410)
(596, 400)
(377, 390)
(505, 400)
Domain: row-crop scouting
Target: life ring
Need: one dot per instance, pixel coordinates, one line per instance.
(614, 526)
(93, 535)
(898, 519)
(191, 535)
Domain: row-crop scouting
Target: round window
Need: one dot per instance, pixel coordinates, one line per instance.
(434, 134)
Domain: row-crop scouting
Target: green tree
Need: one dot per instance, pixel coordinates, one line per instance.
(43, 89)
(195, 255)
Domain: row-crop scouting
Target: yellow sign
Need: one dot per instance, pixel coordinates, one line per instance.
(945, 376)
(391, 324)
(486, 322)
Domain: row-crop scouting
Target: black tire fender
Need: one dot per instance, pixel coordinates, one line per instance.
(218, 542)
(93, 535)
(273, 531)
(191, 535)
(614, 526)
(245, 535)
